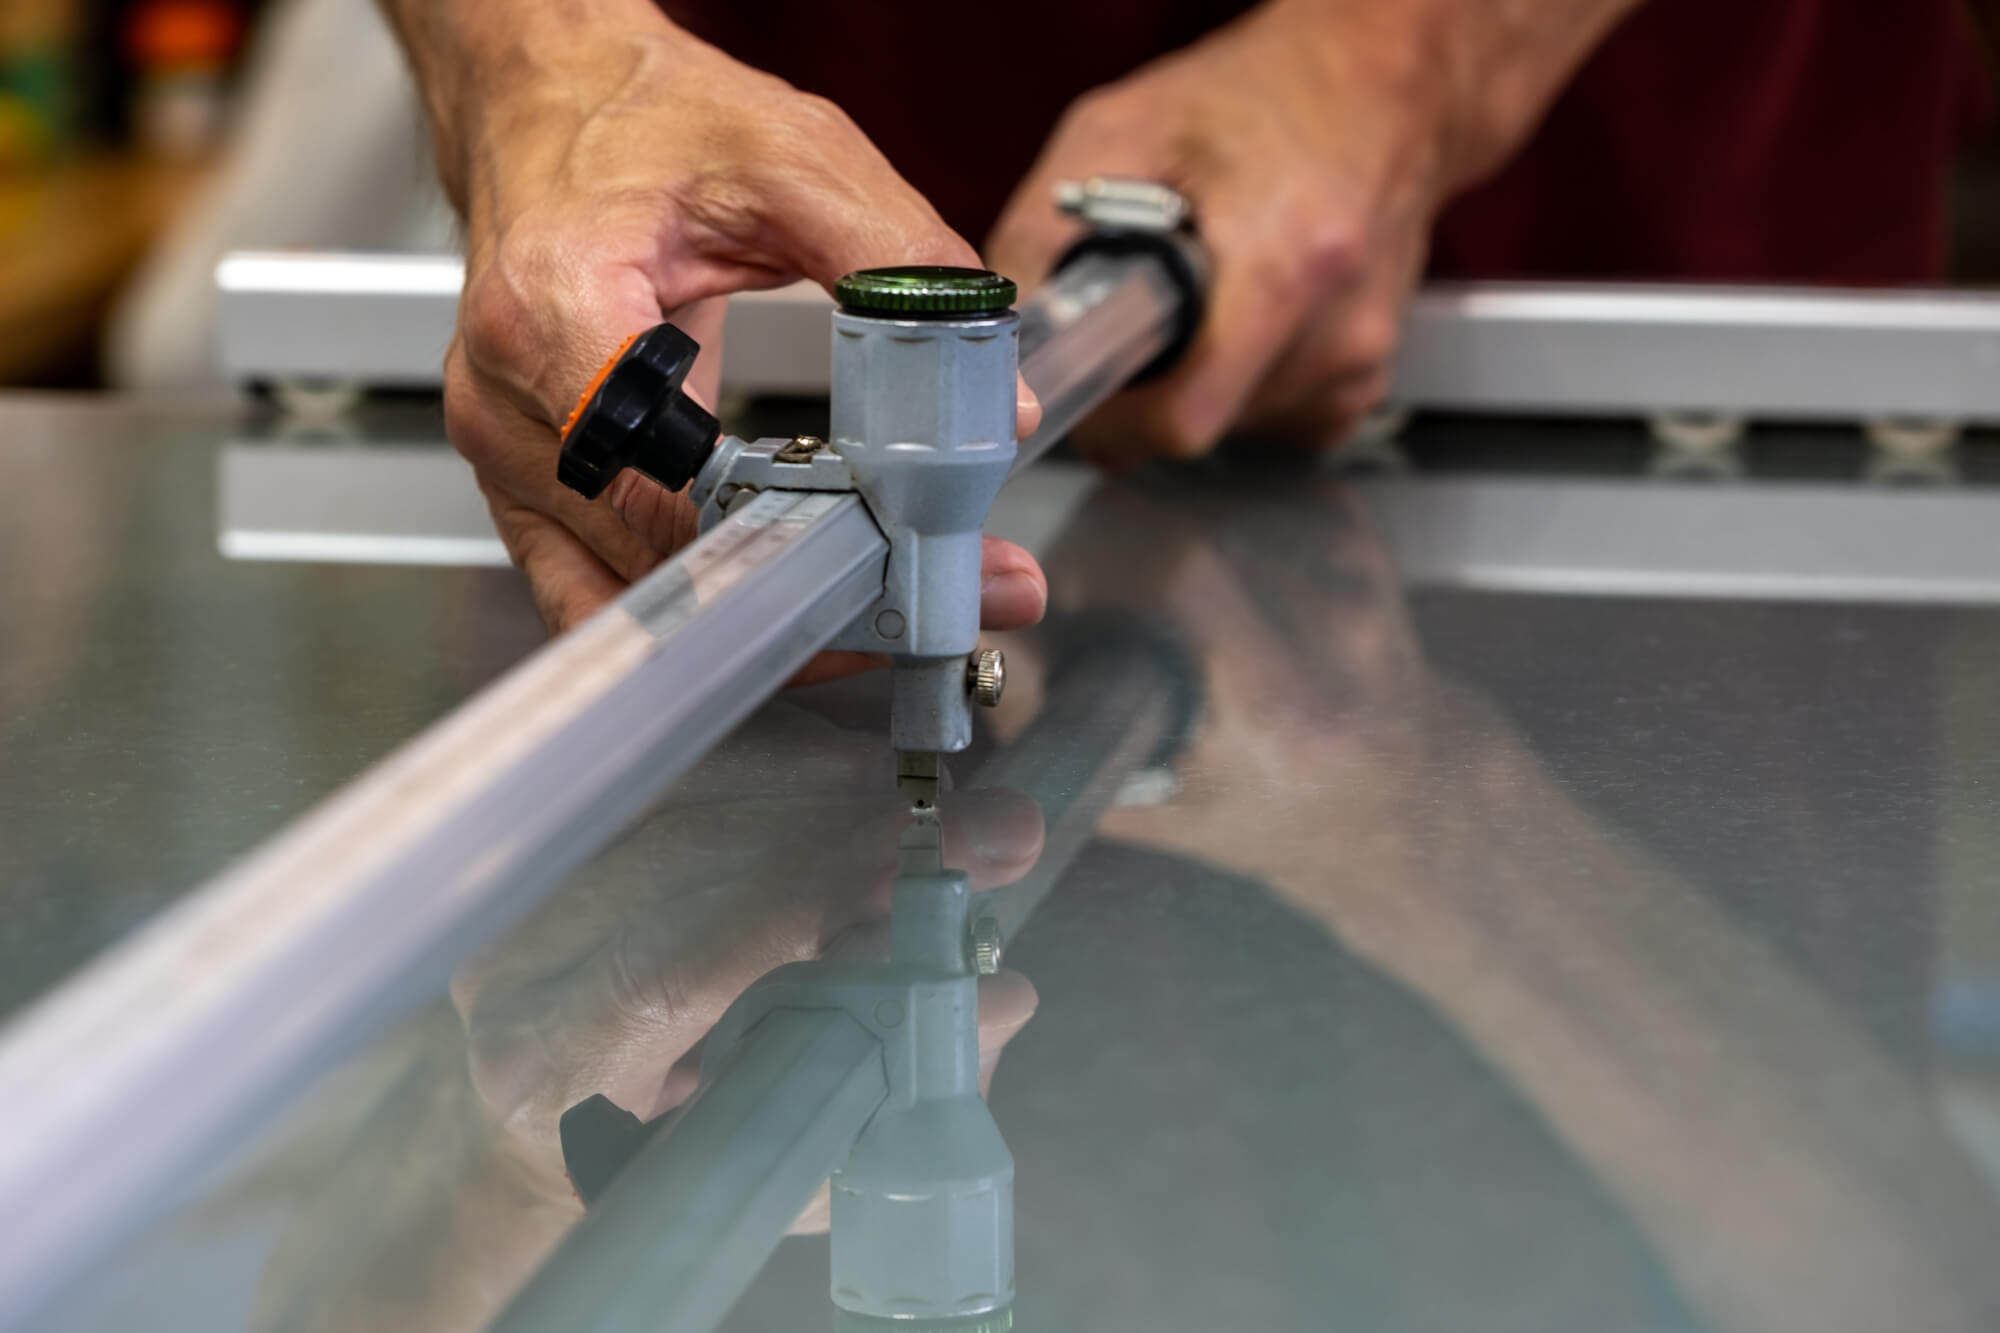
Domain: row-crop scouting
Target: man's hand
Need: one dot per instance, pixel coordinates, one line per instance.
(613, 172)
(1317, 139)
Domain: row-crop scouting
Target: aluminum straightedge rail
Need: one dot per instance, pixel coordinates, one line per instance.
(138, 1073)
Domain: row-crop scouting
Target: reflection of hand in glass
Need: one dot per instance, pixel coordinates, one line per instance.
(1789, 1175)
(1321, 721)
(611, 987)
(456, 1189)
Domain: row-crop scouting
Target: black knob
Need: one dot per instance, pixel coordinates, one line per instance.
(635, 414)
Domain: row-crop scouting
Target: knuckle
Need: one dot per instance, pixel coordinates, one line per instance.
(532, 319)
(460, 417)
(723, 199)
(1369, 341)
(1365, 395)
(1329, 243)
(1090, 119)
(496, 313)
(465, 420)
(1276, 279)
(489, 313)
(1094, 106)
(563, 605)
(1176, 437)
(828, 112)
(457, 379)
(812, 118)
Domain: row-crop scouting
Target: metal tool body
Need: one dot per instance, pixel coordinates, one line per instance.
(924, 365)
(923, 407)
(923, 412)
(923, 429)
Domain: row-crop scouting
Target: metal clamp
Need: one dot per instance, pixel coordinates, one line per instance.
(1133, 218)
(1125, 205)
(747, 467)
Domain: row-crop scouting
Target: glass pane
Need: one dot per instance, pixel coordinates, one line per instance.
(1486, 895)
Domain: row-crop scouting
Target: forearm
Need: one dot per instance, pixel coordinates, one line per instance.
(473, 59)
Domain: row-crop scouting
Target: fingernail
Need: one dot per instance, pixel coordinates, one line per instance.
(990, 844)
(1010, 598)
(1027, 409)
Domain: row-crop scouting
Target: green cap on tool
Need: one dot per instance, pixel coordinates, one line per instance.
(925, 291)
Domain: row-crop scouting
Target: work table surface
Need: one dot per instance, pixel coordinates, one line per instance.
(1558, 908)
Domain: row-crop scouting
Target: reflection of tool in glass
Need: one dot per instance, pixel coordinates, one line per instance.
(923, 407)
(862, 1066)
(867, 1071)
(414, 865)
(873, 1068)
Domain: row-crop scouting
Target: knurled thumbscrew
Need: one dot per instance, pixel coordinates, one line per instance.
(987, 944)
(986, 676)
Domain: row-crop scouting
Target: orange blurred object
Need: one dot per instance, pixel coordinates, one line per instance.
(170, 36)
(182, 50)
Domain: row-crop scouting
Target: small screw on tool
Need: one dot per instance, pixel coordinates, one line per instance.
(986, 676)
(986, 946)
(800, 449)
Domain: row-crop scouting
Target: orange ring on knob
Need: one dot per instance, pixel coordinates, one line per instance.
(596, 383)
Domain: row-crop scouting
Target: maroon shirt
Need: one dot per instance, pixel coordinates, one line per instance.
(1798, 140)
(1794, 140)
